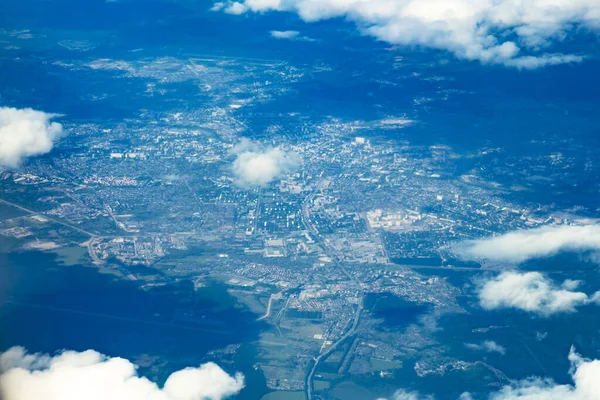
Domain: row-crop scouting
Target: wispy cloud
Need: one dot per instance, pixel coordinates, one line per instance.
(523, 245)
(284, 34)
(290, 35)
(488, 346)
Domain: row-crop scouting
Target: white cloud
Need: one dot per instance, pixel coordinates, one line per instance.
(515, 33)
(290, 35)
(218, 6)
(24, 133)
(570, 284)
(256, 165)
(284, 34)
(533, 62)
(92, 376)
(523, 245)
(531, 292)
(235, 8)
(488, 346)
(585, 374)
(408, 395)
(586, 384)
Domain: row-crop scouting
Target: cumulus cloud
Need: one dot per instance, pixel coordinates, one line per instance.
(92, 376)
(586, 384)
(488, 346)
(532, 292)
(256, 165)
(24, 133)
(511, 32)
(523, 245)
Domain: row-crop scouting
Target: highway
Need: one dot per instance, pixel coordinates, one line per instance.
(332, 253)
(322, 356)
(48, 218)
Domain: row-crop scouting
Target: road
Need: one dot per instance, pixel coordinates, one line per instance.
(332, 253)
(257, 213)
(322, 356)
(119, 224)
(439, 267)
(280, 314)
(94, 237)
(269, 305)
(92, 252)
(31, 212)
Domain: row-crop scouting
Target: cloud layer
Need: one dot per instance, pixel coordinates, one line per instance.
(92, 376)
(24, 133)
(256, 165)
(515, 33)
(523, 245)
(586, 384)
(532, 292)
